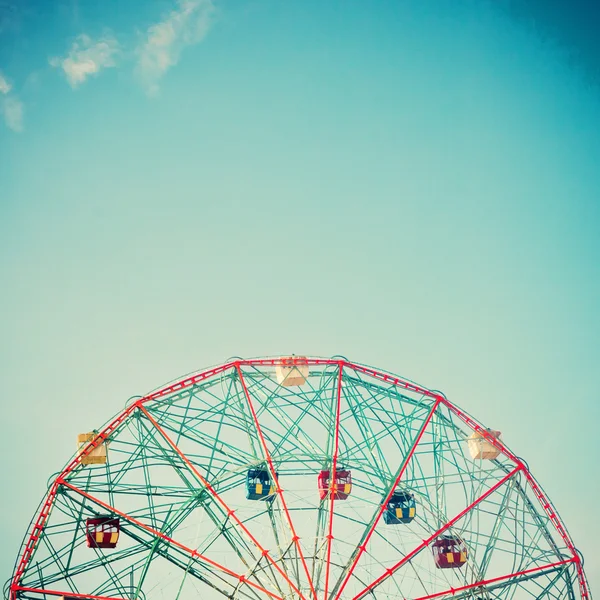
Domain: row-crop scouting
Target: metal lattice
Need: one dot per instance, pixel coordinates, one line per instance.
(175, 478)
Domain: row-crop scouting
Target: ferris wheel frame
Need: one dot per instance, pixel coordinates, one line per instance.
(518, 466)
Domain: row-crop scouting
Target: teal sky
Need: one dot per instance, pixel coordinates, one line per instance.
(412, 185)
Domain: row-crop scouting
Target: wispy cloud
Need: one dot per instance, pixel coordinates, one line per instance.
(11, 107)
(87, 57)
(5, 87)
(164, 41)
(13, 113)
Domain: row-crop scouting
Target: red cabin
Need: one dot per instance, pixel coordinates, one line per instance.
(449, 552)
(102, 532)
(341, 487)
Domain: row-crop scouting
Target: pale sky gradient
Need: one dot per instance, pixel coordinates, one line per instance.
(413, 188)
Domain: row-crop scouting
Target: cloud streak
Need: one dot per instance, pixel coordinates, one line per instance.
(11, 107)
(5, 87)
(87, 57)
(164, 41)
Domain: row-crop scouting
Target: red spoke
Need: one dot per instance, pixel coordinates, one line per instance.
(100, 439)
(224, 505)
(67, 595)
(193, 553)
(382, 508)
(452, 591)
(332, 478)
(537, 490)
(279, 490)
(426, 542)
(170, 389)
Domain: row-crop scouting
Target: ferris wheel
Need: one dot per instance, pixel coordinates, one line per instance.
(295, 478)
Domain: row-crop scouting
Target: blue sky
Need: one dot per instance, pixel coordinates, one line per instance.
(414, 187)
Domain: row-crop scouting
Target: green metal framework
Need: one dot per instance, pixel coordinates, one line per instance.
(175, 478)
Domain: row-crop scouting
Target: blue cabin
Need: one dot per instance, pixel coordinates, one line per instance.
(401, 508)
(259, 485)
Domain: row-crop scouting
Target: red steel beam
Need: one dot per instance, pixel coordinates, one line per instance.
(279, 490)
(332, 479)
(394, 380)
(382, 508)
(67, 595)
(539, 493)
(194, 553)
(426, 542)
(224, 505)
(42, 518)
(453, 591)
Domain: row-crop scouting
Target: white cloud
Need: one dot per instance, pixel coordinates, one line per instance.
(163, 42)
(5, 87)
(87, 57)
(13, 113)
(11, 107)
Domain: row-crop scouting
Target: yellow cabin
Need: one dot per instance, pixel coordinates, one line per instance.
(480, 448)
(96, 456)
(293, 370)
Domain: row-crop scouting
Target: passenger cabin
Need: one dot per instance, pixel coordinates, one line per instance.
(102, 532)
(260, 486)
(341, 487)
(482, 449)
(401, 508)
(449, 552)
(96, 456)
(293, 370)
